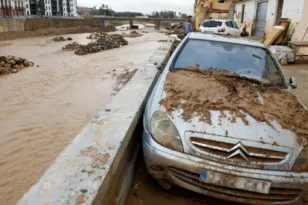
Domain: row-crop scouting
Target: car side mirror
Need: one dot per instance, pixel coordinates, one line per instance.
(293, 83)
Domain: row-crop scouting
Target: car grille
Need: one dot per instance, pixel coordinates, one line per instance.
(275, 195)
(223, 150)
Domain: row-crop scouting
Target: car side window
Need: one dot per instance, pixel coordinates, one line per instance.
(206, 24)
(234, 24)
(229, 24)
(215, 24)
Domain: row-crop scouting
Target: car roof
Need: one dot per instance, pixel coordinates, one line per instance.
(222, 20)
(226, 39)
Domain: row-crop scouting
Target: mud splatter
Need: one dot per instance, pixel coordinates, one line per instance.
(124, 78)
(98, 159)
(80, 199)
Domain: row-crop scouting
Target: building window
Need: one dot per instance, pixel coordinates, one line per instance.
(222, 1)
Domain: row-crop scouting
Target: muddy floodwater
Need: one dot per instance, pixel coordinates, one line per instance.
(44, 107)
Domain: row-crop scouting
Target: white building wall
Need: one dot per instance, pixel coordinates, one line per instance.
(47, 8)
(292, 9)
(73, 7)
(27, 7)
(249, 14)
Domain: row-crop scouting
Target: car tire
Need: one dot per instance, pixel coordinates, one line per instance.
(242, 35)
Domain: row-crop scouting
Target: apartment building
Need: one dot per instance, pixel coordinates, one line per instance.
(216, 9)
(12, 7)
(52, 7)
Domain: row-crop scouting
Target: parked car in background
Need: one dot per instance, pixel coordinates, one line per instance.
(224, 27)
(250, 163)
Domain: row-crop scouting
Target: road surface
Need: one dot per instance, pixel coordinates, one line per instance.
(44, 107)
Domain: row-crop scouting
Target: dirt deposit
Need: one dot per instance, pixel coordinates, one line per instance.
(123, 78)
(96, 35)
(133, 34)
(72, 47)
(53, 31)
(61, 38)
(13, 64)
(104, 42)
(199, 92)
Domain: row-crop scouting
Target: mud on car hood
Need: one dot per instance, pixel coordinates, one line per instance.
(213, 125)
(256, 145)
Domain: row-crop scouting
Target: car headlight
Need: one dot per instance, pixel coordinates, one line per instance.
(301, 164)
(164, 132)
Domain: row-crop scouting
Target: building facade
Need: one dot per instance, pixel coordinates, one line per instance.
(261, 16)
(52, 7)
(12, 7)
(216, 9)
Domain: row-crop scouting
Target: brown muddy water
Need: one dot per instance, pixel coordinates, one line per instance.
(44, 107)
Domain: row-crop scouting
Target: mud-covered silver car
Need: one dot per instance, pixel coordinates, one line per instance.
(200, 157)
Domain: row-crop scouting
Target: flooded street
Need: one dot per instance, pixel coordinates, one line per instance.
(44, 107)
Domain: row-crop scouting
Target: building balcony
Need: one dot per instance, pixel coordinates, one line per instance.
(219, 7)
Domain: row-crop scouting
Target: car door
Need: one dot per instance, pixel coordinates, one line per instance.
(229, 28)
(236, 30)
(232, 28)
(215, 26)
(205, 26)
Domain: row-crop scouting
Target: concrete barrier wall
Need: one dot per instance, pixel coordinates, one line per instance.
(34, 24)
(7, 25)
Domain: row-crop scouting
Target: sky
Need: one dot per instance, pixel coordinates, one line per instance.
(143, 6)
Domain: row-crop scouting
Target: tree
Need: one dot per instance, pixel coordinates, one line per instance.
(103, 6)
(41, 7)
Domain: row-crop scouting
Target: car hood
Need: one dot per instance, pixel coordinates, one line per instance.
(271, 134)
(255, 134)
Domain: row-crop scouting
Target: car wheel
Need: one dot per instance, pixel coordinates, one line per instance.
(242, 35)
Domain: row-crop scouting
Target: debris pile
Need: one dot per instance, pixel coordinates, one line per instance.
(13, 64)
(61, 38)
(133, 34)
(96, 35)
(103, 42)
(72, 47)
(198, 92)
(278, 35)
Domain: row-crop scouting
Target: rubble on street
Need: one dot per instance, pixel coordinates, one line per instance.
(72, 47)
(104, 42)
(96, 35)
(61, 38)
(13, 64)
(133, 34)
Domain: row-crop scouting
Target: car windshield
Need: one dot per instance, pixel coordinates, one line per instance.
(248, 61)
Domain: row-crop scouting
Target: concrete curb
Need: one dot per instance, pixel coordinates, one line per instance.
(92, 168)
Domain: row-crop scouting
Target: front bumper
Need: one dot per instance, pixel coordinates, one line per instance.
(184, 170)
